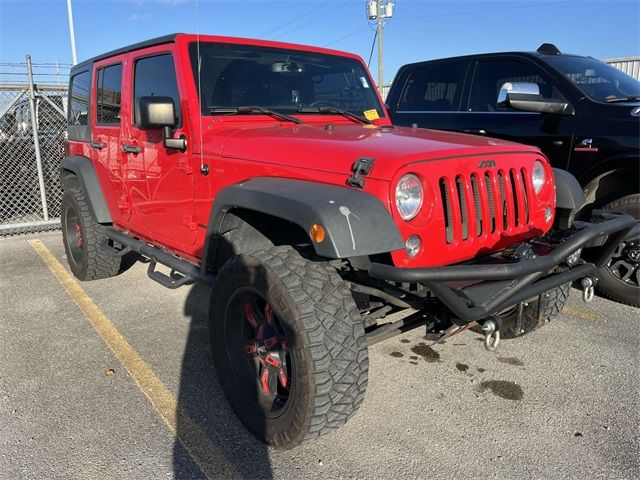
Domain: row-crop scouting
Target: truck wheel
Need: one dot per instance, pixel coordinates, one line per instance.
(82, 237)
(532, 318)
(619, 280)
(288, 345)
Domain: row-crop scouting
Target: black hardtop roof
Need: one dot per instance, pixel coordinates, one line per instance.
(129, 48)
(537, 55)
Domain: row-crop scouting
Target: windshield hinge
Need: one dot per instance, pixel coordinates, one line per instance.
(361, 167)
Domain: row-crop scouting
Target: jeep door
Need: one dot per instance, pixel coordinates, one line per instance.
(165, 205)
(483, 116)
(431, 95)
(107, 118)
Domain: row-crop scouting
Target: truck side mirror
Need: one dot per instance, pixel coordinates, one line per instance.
(526, 97)
(159, 112)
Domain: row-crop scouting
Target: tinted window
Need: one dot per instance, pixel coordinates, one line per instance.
(156, 77)
(280, 79)
(490, 75)
(434, 87)
(79, 98)
(596, 79)
(108, 94)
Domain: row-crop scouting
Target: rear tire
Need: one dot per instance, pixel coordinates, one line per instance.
(273, 311)
(83, 237)
(619, 280)
(533, 318)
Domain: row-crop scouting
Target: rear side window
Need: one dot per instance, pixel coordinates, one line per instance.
(79, 98)
(490, 75)
(434, 87)
(108, 94)
(156, 76)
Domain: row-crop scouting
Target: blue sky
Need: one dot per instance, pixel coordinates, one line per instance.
(420, 29)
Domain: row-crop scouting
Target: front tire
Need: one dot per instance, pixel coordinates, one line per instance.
(288, 345)
(537, 313)
(83, 236)
(619, 280)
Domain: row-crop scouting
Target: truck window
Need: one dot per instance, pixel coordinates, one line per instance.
(490, 75)
(79, 98)
(434, 87)
(156, 76)
(108, 94)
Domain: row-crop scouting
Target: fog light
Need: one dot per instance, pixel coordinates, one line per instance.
(574, 257)
(547, 214)
(413, 245)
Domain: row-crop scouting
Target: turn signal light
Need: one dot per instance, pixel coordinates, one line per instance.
(317, 232)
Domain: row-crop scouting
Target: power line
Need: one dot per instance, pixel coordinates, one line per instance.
(329, 12)
(293, 20)
(346, 36)
(473, 12)
(373, 44)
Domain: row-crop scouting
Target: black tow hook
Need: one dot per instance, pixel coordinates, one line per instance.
(491, 335)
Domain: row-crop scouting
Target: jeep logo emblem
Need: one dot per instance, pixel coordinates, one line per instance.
(487, 164)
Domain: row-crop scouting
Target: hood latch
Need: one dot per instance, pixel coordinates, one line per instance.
(361, 167)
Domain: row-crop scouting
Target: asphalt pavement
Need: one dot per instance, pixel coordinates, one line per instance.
(114, 380)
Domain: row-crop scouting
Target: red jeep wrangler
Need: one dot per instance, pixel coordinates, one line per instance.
(271, 171)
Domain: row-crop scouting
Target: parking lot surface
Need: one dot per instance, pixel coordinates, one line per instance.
(114, 379)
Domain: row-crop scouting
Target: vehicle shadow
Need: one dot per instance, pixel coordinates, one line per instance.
(231, 449)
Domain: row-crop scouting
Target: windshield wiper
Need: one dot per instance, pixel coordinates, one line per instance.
(244, 110)
(336, 111)
(626, 99)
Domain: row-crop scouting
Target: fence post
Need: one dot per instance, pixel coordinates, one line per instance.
(36, 140)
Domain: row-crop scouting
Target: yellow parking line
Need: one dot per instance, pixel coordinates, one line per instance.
(580, 313)
(203, 452)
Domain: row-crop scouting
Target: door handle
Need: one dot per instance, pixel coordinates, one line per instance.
(130, 148)
(475, 131)
(98, 145)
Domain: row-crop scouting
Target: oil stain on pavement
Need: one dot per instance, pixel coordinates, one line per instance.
(511, 361)
(503, 389)
(426, 352)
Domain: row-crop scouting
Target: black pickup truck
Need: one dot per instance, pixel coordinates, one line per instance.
(582, 113)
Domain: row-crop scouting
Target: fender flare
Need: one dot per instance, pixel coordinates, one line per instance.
(569, 193)
(83, 169)
(356, 223)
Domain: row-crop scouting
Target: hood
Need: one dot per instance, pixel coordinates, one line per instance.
(335, 150)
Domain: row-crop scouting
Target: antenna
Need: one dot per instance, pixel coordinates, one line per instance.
(204, 169)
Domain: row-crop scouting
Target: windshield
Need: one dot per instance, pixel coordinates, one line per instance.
(596, 79)
(281, 80)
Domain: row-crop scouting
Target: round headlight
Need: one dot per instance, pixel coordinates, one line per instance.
(537, 176)
(409, 196)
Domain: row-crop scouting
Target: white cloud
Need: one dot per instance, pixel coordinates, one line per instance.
(136, 17)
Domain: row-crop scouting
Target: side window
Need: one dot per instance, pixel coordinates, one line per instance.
(436, 87)
(490, 75)
(79, 98)
(156, 76)
(108, 94)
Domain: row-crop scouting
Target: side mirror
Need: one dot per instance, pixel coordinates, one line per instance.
(159, 112)
(526, 97)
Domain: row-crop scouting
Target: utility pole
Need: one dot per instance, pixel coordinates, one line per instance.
(380, 12)
(379, 32)
(72, 33)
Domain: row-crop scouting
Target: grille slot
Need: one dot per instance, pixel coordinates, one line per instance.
(462, 199)
(525, 192)
(516, 211)
(448, 216)
(492, 208)
(476, 204)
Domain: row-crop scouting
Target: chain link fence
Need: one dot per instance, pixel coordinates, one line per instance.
(32, 135)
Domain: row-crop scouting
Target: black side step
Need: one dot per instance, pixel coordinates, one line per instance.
(182, 272)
